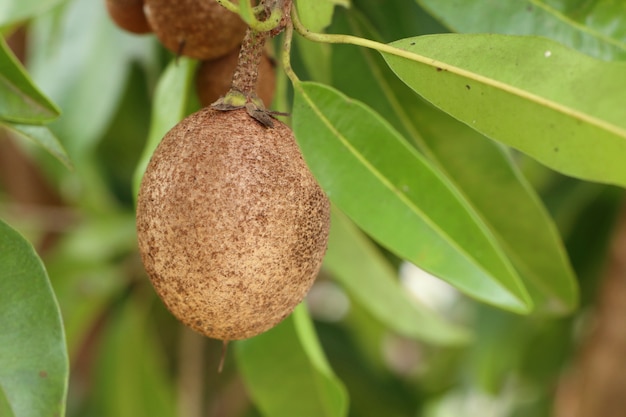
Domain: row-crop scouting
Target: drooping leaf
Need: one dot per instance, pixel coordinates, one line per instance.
(15, 11)
(33, 358)
(22, 102)
(367, 276)
(132, 378)
(391, 192)
(597, 28)
(287, 374)
(168, 108)
(42, 136)
(482, 170)
(559, 106)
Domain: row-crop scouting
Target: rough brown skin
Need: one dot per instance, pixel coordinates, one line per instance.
(200, 29)
(128, 15)
(232, 226)
(213, 78)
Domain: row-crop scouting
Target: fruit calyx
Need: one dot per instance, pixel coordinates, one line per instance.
(234, 100)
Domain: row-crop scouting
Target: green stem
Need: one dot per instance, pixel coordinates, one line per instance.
(229, 5)
(355, 40)
(286, 55)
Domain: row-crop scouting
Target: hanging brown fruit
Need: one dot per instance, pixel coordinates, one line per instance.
(128, 15)
(200, 29)
(232, 226)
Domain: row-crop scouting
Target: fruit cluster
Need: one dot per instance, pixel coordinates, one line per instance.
(232, 226)
(200, 29)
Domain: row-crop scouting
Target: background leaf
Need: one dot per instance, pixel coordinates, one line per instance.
(168, 108)
(131, 377)
(317, 14)
(366, 275)
(519, 91)
(597, 28)
(378, 180)
(83, 61)
(289, 356)
(22, 102)
(33, 357)
(15, 11)
(483, 171)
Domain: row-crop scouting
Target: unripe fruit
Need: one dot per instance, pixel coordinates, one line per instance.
(128, 15)
(200, 29)
(213, 78)
(232, 226)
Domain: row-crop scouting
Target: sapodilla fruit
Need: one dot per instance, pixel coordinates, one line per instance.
(232, 226)
(128, 15)
(200, 29)
(213, 78)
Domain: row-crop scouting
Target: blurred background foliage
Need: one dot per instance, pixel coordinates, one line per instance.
(386, 339)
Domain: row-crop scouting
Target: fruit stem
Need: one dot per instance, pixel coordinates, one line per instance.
(242, 93)
(247, 71)
(220, 367)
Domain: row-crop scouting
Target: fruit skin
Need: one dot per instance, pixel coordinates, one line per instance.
(232, 226)
(213, 78)
(128, 15)
(200, 29)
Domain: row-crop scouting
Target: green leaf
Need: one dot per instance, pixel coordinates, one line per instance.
(316, 15)
(42, 136)
(289, 356)
(33, 358)
(366, 275)
(559, 106)
(132, 379)
(597, 28)
(392, 193)
(481, 169)
(15, 11)
(168, 108)
(486, 174)
(22, 102)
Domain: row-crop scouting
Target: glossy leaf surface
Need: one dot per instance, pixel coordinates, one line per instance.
(561, 107)
(392, 193)
(33, 358)
(290, 357)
